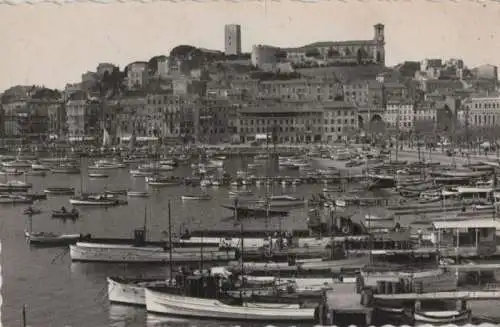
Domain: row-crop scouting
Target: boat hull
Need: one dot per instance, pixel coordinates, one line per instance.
(89, 252)
(100, 203)
(61, 240)
(175, 305)
(442, 317)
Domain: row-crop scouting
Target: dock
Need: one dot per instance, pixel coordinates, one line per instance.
(343, 300)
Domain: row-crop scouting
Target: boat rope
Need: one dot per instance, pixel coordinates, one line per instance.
(60, 255)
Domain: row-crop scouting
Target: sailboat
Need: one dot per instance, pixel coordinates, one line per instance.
(103, 200)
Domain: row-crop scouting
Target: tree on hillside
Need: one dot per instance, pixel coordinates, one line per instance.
(182, 51)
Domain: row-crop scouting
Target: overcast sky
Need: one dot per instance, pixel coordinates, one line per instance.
(52, 45)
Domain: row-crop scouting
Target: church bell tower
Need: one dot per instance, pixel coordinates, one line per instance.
(379, 49)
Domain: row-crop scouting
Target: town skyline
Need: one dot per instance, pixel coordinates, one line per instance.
(101, 37)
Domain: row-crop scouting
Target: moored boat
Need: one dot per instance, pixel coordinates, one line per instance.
(204, 197)
(204, 302)
(95, 252)
(60, 190)
(104, 164)
(51, 239)
(30, 211)
(93, 200)
(162, 181)
(15, 186)
(73, 214)
(17, 164)
(65, 169)
(138, 194)
(98, 175)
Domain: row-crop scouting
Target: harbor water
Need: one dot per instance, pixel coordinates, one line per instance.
(57, 292)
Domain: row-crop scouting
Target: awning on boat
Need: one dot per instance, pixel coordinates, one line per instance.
(474, 223)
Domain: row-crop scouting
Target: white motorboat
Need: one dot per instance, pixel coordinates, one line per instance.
(95, 252)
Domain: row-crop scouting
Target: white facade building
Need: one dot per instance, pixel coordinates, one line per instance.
(400, 115)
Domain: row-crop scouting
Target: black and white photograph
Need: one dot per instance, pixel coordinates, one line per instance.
(249, 163)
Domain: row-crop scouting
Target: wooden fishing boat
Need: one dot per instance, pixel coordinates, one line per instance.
(60, 190)
(138, 194)
(204, 197)
(243, 211)
(131, 291)
(51, 239)
(201, 300)
(73, 214)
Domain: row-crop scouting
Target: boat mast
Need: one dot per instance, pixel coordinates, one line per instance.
(145, 221)
(23, 316)
(242, 262)
(170, 240)
(201, 253)
(81, 177)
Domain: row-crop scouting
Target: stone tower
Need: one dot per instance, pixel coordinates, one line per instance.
(379, 49)
(232, 39)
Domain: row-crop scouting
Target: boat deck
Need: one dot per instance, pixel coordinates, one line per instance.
(455, 295)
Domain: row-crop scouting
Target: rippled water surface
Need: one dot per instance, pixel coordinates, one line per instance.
(57, 292)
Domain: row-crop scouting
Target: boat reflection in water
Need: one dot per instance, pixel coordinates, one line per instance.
(153, 320)
(122, 315)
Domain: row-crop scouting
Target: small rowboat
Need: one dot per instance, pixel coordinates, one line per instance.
(98, 175)
(31, 211)
(203, 197)
(73, 214)
(138, 194)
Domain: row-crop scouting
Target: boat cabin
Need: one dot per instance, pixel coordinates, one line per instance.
(466, 238)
